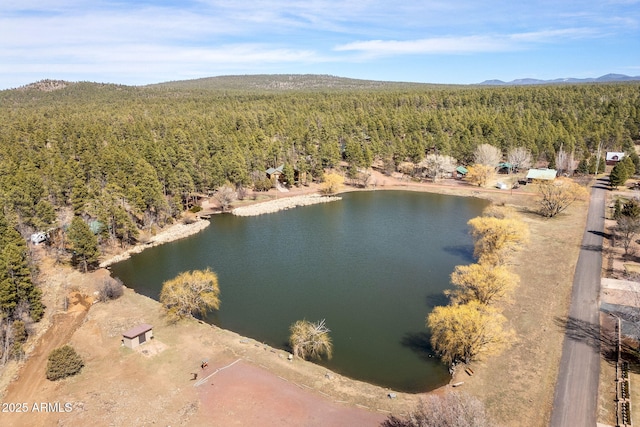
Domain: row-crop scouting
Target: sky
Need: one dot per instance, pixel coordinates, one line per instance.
(138, 42)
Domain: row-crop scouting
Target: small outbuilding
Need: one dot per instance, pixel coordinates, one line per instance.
(505, 167)
(461, 172)
(137, 336)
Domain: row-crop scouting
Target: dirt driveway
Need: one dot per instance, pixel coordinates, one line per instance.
(243, 395)
(31, 387)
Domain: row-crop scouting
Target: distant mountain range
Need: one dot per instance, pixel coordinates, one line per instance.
(607, 78)
(294, 82)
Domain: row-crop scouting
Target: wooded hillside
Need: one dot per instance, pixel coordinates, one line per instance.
(131, 158)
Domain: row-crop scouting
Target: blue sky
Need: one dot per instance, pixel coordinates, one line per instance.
(443, 41)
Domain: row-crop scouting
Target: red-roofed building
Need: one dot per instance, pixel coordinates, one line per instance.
(138, 335)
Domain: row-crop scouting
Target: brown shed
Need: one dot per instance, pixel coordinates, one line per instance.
(138, 335)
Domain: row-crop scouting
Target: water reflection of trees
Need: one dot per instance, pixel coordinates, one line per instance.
(419, 343)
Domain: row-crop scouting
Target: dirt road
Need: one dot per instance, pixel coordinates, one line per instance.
(32, 384)
(576, 396)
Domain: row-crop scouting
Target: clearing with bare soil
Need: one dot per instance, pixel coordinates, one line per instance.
(154, 384)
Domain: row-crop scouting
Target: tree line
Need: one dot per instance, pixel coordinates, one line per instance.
(135, 157)
(472, 324)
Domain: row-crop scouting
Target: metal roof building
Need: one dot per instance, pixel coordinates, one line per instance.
(542, 174)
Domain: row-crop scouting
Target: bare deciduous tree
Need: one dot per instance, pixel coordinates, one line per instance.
(519, 158)
(310, 340)
(496, 238)
(332, 183)
(191, 292)
(626, 229)
(561, 160)
(480, 174)
(463, 332)
(435, 166)
(488, 155)
(225, 196)
(558, 195)
(363, 178)
(565, 161)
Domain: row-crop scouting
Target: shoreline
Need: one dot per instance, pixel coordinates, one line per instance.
(277, 205)
(180, 230)
(169, 234)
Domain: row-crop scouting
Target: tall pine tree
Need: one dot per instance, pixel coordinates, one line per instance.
(16, 283)
(83, 243)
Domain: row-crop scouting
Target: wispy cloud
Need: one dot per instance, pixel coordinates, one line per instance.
(463, 44)
(149, 38)
(436, 45)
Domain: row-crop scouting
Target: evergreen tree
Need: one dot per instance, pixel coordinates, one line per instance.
(617, 209)
(618, 175)
(583, 166)
(63, 362)
(631, 209)
(635, 159)
(79, 195)
(289, 174)
(83, 243)
(16, 283)
(45, 214)
(629, 166)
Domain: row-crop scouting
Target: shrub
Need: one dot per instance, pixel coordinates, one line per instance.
(188, 218)
(332, 183)
(110, 289)
(195, 209)
(449, 409)
(263, 184)
(63, 362)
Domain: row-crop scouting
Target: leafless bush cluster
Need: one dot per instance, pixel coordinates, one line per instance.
(111, 288)
(450, 409)
(189, 218)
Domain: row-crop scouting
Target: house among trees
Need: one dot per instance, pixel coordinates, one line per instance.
(614, 157)
(541, 174)
(461, 172)
(505, 167)
(137, 336)
(275, 173)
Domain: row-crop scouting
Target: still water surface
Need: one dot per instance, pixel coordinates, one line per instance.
(373, 265)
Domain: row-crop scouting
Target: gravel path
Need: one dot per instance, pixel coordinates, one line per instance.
(283, 204)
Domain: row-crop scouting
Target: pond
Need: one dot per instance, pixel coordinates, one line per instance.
(373, 265)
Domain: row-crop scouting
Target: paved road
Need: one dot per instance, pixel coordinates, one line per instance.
(576, 396)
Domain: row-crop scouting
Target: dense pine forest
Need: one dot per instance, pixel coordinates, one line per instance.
(126, 159)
